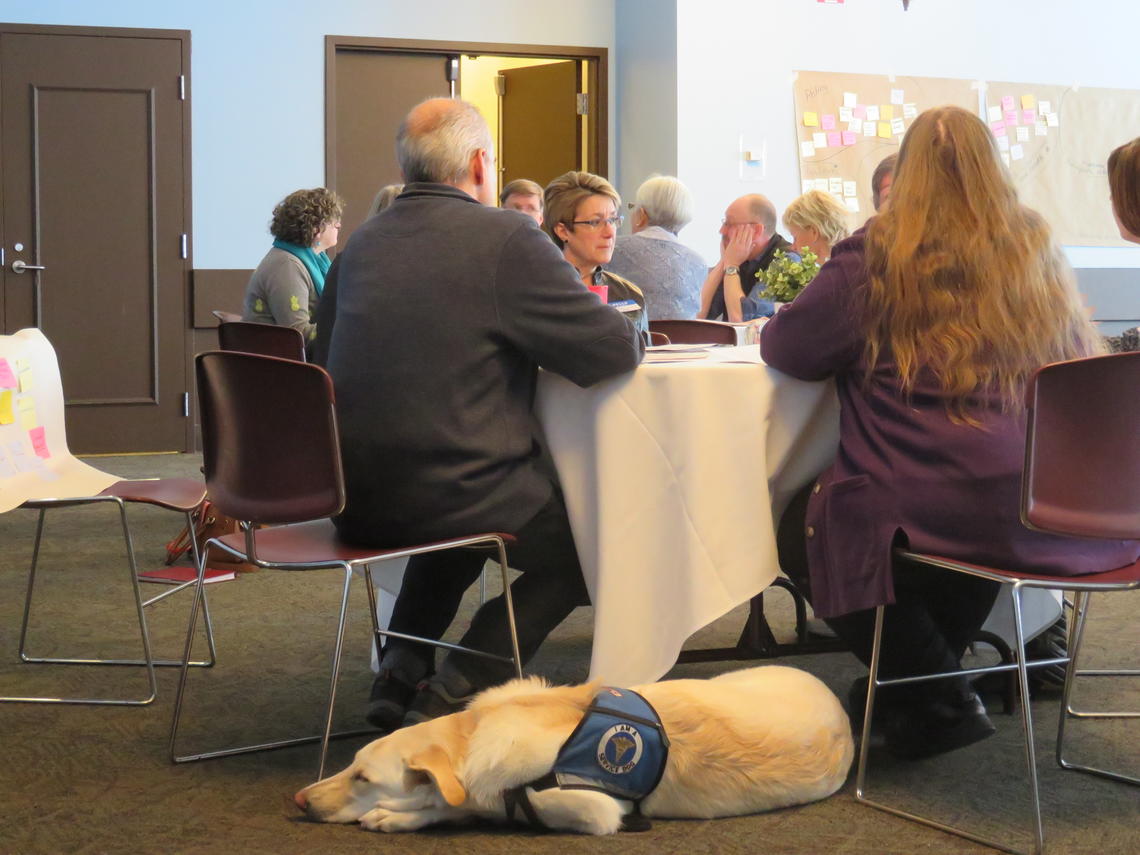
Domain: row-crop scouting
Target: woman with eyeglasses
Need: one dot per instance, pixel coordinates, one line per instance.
(287, 284)
(582, 218)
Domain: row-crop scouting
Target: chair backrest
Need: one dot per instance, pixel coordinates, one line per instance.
(262, 339)
(695, 331)
(269, 438)
(1082, 454)
(658, 338)
(225, 317)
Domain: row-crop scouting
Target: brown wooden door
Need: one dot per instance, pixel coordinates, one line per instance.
(541, 131)
(93, 176)
(374, 91)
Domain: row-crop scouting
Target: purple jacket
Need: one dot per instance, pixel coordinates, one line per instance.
(903, 468)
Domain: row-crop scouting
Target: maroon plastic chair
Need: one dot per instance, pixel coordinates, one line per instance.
(658, 338)
(263, 339)
(272, 458)
(695, 331)
(1081, 459)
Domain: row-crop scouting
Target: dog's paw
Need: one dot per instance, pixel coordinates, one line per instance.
(381, 819)
(584, 811)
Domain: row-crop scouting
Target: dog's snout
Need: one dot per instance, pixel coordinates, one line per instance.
(301, 800)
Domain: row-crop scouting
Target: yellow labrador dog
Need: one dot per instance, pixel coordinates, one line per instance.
(740, 743)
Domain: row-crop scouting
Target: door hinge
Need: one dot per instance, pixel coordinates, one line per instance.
(583, 105)
(185, 249)
(181, 87)
(185, 405)
(500, 84)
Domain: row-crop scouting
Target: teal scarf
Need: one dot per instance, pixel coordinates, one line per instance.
(317, 263)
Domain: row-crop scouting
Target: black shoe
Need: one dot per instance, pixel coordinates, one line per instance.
(937, 726)
(389, 700)
(432, 700)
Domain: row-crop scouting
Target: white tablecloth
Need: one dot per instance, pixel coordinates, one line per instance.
(673, 477)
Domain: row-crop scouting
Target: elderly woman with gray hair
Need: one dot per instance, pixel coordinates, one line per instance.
(669, 272)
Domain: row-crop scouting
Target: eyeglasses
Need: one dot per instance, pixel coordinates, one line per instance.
(598, 222)
(725, 224)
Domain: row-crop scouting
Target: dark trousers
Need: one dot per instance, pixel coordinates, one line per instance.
(936, 614)
(550, 587)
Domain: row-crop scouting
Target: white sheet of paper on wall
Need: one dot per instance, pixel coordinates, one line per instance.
(910, 111)
(806, 185)
(993, 112)
(1051, 120)
(1044, 107)
(850, 99)
(807, 149)
(855, 126)
(1003, 143)
(870, 129)
(896, 96)
(873, 113)
(819, 140)
(852, 204)
(1016, 152)
(1040, 129)
(898, 126)
(846, 114)
(1022, 133)
(849, 189)
(835, 185)
(820, 184)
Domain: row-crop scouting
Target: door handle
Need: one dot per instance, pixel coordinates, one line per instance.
(19, 266)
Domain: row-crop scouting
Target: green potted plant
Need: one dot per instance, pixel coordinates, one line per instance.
(787, 275)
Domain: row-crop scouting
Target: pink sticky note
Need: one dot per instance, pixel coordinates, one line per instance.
(1007, 102)
(860, 112)
(1028, 117)
(849, 137)
(833, 139)
(1011, 118)
(998, 128)
(828, 122)
(39, 442)
(7, 378)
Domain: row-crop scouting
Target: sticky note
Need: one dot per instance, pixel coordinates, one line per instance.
(1040, 129)
(1003, 142)
(1011, 118)
(1029, 116)
(819, 139)
(885, 130)
(1051, 120)
(833, 139)
(850, 99)
(855, 126)
(828, 122)
(1005, 158)
(998, 128)
(39, 442)
(910, 111)
(852, 204)
(869, 129)
(1028, 102)
(849, 188)
(1007, 103)
(807, 149)
(27, 380)
(835, 185)
(1044, 107)
(993, 113)
(898, 126)
(860, 112)
(873, 113)
(7, 378)
(811, 120)
(886, 112)
(1022, 134)
(849, 137)
(27, 408)
(1016, 152)
(820, 184)
(7, 416)
(846, 114)
(896, 96)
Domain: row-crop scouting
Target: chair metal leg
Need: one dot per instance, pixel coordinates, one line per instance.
(1081, 603)
(510, 607)
(148, 659)
(1027, 722)
(1076, 632)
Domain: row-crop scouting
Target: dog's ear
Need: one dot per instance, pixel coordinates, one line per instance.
(434, 761)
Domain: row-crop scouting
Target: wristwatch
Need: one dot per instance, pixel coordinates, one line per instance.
(732, 270)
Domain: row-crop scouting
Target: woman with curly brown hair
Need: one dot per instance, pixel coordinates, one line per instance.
(286, 285)
(931, 322)
(1124, 182)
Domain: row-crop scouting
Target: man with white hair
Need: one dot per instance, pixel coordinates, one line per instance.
(748, 242)
(668, 272)
(444, 311)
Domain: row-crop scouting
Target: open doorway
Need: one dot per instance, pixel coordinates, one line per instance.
(546, 107)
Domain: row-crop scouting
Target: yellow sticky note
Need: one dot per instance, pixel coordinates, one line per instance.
(811, 120)
(6, 415)
(885, 130)
(886, 112)
(27, 409)
(1028, 102)
(26, 380)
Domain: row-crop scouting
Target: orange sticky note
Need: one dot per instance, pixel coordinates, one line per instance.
(6, 414)
(811, 120)
(1028, 102)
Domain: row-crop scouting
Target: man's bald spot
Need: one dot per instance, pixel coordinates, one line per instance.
(428, 115)
(762, 210)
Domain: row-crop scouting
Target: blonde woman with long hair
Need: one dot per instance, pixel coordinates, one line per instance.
(930, 320)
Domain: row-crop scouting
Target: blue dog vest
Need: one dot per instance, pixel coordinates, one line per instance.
(618, 748)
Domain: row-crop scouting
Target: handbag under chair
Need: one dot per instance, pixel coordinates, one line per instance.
(41, 474)
(1082, 459)
(272, 458)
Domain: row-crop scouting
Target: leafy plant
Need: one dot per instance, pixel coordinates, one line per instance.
(787, 275)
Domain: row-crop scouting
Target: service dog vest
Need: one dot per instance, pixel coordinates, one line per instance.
(618, 748)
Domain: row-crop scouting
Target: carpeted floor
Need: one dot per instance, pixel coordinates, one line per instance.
(77, 779)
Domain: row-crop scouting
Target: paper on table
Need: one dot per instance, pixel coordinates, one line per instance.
(674, 356)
